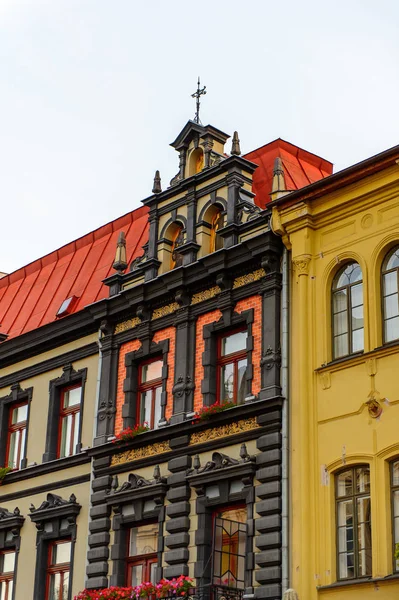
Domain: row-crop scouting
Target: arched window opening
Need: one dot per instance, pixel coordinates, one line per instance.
(217, 223)
(196, 162)
(390, 275)
(347, 309)
(177, 241)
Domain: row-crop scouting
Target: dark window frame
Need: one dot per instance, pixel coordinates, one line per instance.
(12, 428)
(10, 537)
(56, 386)
(145, 560)
(352, 497)
(133, 360)
(7, 403)
(211, 335)
(383, 273)
(129, 507)
(214, 550)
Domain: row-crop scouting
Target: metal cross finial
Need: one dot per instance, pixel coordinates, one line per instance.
(197, 95)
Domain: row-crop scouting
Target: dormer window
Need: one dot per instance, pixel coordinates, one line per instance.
(177, 241)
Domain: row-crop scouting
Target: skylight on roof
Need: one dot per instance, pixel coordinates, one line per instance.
(67, 307)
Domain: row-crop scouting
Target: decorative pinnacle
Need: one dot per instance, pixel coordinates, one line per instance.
(120, 262)
(235, 145)
(156, 188)
(200, 92)
(278, 184)
(290, 595)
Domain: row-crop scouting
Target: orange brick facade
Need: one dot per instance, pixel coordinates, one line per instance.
(253, 302)
(131, 346)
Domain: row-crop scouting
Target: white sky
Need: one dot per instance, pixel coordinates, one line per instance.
(93, 91)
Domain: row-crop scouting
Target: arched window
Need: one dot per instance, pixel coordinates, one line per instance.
(347, 309)
(177, 241)
(390, 275)
(216, 242)
(196, 162)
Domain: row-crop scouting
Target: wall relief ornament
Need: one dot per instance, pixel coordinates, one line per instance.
(248, 278)
(125, 325)
(205, 295)
(301, 265)
(143, 452)
(223, 431)
(164, 310)
(53, 501)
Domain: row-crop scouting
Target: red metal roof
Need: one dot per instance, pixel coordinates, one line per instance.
(300, 168)
(31, 296)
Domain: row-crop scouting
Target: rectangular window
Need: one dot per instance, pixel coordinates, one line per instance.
(142, 558)
(16, 435)
(58, 569)
(7, 566)
(69, 423)
(353, 523)
(150, 393)
(395, 510)
(232, 367)
(229, 547)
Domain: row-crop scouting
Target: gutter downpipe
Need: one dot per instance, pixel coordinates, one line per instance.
(285, 421)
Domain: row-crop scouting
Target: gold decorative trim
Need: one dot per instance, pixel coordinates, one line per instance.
(125, 325)
(136, 453)
(223, 431)
(164, 310)
(248, 278)
(205, 295)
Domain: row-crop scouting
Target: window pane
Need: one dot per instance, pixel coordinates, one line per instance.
(13, 449)
(153, 573)
(345, 514)
(72, 397)
(227, 382)
(145, 407)
(344, 484)
(143, 540)
(391, 327)
(136, 575)
(157, 410)
(55, 583)
(8, 562)
(341, 345)
(395, 473)
(340, 301)
(362, 480)
(62, 553)
(76, 431)
(390, 281)
(392, 260)
(19, 414)
(346, 565)
(66, 429)
(65, 587)
(341, 322)
(151, 371)
(234, 343)
(357, 295)
(357, 317)
(241, 380)
(391, 306)
(357, 340)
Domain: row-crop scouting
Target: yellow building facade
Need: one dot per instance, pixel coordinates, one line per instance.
(342, 235)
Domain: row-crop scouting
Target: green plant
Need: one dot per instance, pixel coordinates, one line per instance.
(4, 471)
(396, 553)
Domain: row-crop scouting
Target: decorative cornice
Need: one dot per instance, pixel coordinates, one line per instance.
(11, 520)
(55, 507)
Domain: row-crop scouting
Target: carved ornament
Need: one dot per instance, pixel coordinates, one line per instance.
(136, 453)
(205, 295)
(301, 265)
(248, 278)
(6, 514)
(125, 325)
(53, 501)
(223, 431)
(164, 310)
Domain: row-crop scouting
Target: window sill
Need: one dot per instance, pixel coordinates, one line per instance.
(359, 581)
(47, 467)
(359, 357)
